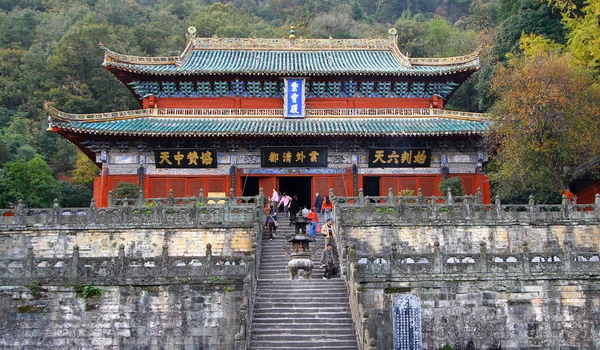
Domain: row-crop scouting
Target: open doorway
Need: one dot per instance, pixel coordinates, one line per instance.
(371, 186)
(249, 186)
(299, 186)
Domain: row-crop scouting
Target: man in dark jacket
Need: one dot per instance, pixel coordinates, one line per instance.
(327, 261)
(318, 202)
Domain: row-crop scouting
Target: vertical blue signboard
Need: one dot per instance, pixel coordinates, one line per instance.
(294, 98)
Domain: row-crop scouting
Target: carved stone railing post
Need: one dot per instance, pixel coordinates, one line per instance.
(361, 197)
(568, 256)
(438, 263)
(121, 261)
(483, 257)
(91, 217)
(526, 259)
(125, 211)
(164, 263)
(532, 208)
(479, 196)
(390, 199)
(56, 212)
(449, 199)
(201, 196)
(232, 194)
(140, 199)
(29, 262)
(498, 205)
(434, 208)
(598, 204)
(209, 257)
(171, 198)
(468, 209)
(394, 252)
(19, 215)
(110, 199)
(75, 262)
(331, 194)
(227, 211)
(420, 198)
(565, 207)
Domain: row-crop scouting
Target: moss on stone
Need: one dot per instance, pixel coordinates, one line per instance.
(397, 290)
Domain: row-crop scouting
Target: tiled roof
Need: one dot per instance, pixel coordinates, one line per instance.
(306, 57)
(346, 123)
(293, 63)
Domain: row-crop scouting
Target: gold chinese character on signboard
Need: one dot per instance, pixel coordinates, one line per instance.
(407, 157)
(393, 157)
(206, 158)
(273, 157)
(164, 158)
(300, 157)
(287, 157)
(314, 155)
(178, 157)
(420, 157)
(378, 157)
(193, 158)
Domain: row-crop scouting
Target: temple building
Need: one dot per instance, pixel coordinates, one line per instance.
(299, 115)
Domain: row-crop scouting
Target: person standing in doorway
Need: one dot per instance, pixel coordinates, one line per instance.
(318, 202)
(284, 203)
(313, 221)
(327, 208)
(327, 261)
(274, 200)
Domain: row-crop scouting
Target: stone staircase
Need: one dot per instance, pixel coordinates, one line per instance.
(303, 313)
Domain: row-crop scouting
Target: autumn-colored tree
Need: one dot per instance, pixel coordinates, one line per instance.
(547, 118)
(85, 170)
(581, 18)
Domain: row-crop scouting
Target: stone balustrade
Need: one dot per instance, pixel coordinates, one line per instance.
(123, 269)
(432, 210)
(530, 264)
(141, 212)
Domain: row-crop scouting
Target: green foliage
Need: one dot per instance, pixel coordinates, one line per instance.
(126, 190)
(75, 195)
(30, 181)
(547, 122)
(89, 291)
(452, 184)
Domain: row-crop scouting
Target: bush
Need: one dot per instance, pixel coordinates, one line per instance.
(126, 190)
(454, 184)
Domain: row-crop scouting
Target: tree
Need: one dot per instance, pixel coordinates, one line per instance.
(584, 30)
(30, 181)
(546, 122)
(85, 170)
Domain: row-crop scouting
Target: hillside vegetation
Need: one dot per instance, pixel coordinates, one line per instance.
(49, 52)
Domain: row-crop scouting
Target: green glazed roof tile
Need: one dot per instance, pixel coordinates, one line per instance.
(255, 127)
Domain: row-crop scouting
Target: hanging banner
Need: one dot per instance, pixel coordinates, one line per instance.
(399, 157)
(293, 156)
(294, 98)
(185, 158)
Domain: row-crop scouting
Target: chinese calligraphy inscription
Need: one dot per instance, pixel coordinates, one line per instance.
(294, 156)
(399, 157)
(294, 98)
(186, 158)
(407, 322)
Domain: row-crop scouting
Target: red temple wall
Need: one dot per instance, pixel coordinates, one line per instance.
(587, 195)
(189, 186)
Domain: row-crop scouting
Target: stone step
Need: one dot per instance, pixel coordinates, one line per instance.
(323, 329)
(304, 345)
(309, 337)
(301, 320)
